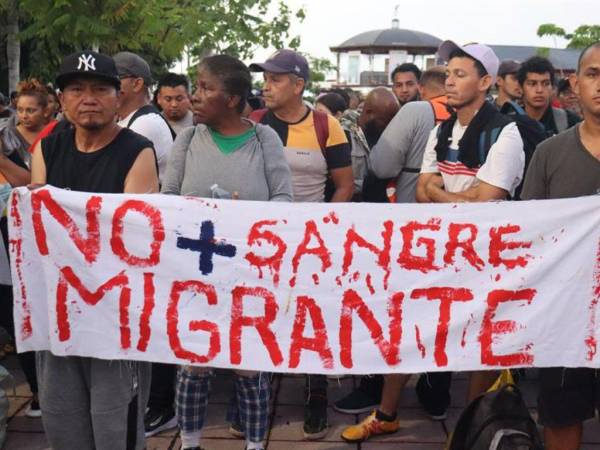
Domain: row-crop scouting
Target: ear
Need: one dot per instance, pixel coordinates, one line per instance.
(485, 83)
(422, 90)
(233, 101)
(300, 84)
(574, 82)
(138, 85)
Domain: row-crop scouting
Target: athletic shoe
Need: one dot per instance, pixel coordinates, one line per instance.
(433, 394)
(370, 426)
(363, 399)
(235, 429)
(33, 410)
(315, 418)
(159, 420)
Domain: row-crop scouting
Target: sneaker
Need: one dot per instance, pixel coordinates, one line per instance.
(370, 426)
(433, 394)
(235, 429)
(33, 410)
(156, 421)
(363, 399)
(315, 418)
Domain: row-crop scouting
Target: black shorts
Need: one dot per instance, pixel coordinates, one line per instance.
(568, 396)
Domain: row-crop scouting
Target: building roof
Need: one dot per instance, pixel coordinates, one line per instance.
(561, 59)
(390, 39)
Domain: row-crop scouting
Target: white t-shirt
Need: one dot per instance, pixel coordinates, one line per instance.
(503, 167)
(153, 127)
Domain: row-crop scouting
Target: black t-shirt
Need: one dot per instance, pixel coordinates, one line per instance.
(102, 171)
(5, 114)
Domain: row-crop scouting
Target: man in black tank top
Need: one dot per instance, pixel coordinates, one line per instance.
(89, 403)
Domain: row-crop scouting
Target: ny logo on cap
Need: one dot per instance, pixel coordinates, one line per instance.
(88, 62)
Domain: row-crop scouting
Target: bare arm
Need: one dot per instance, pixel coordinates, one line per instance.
(344, 184)
(38, 166)
(483, 192)
(142, 177)
(422, 181)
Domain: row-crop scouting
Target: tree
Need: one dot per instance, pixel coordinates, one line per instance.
(319, 68)
(10, 11)
(157, 29)
(583, 35)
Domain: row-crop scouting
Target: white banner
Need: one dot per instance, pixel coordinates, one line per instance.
(310, 288)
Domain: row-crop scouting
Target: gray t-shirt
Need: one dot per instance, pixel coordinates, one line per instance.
(179, 126)
(399, 151)
(561, 167)
(256, 171)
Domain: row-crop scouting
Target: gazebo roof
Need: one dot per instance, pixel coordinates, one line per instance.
(391, 39)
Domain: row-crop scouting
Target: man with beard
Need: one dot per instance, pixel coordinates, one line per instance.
(405, 83)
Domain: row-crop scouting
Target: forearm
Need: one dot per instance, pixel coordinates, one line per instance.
(438, 195)
(14, 174)
(343, 194)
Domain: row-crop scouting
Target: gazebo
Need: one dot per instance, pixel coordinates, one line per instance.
(367, 59)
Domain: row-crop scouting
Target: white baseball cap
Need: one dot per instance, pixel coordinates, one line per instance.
(482, 53)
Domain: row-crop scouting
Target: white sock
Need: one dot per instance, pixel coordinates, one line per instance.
(254, 445)
(189, 440)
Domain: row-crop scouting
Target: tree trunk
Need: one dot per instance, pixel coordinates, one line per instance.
(13, 46)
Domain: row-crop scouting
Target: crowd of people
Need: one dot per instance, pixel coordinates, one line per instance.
(437, 136)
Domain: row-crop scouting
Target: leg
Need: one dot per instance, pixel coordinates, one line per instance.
(315, 408)
(253, 396)
(191, 400)
(118, 392)
(433, 392)
(566, 399)
(383, 420)
(480, 382)
(161, 413)
(65, 402)
(563, 438)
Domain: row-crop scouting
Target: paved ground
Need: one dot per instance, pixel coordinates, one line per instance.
(417, 432)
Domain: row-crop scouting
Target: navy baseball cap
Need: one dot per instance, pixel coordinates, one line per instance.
(284, 61)
(87, 64)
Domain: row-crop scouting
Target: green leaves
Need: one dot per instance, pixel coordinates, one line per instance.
(158, 29)
(583, 36)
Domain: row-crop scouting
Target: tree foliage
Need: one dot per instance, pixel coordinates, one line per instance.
(160, 30)
(583, 35)
(319, 68)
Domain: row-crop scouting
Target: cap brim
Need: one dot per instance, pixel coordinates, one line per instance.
(446, 48)
(64, 78)
(267, 67)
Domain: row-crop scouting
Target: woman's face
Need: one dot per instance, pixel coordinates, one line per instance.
(31, 114)
(53, 105)
(210, 101)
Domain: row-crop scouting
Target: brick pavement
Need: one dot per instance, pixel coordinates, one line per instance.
(417, 431)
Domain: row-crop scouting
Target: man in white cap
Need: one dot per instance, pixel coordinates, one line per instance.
(478, 154)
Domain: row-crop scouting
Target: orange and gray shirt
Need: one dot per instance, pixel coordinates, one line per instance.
(308, 163)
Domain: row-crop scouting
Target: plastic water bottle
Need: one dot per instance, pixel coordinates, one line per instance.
(217, 192)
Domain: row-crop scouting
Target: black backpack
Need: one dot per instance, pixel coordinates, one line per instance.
(532, 132)
(496, 420)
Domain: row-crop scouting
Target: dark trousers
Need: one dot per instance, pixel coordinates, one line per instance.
(162, 388)
(27, 359)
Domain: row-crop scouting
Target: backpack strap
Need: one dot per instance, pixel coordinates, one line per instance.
(490, 135)
(560, 119)
(150, 109)
(258, 115)
(321, 122)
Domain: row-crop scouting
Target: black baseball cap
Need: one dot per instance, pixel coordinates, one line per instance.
(508, 66)
(87, 64)
(284, 61)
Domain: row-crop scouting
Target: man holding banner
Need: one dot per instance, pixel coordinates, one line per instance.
(451, 172)
(90, 403)
(568, 165)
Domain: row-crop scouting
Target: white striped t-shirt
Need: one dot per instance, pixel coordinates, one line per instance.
(503, 166)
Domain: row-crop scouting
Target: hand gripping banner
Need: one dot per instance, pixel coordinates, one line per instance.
(310, 288)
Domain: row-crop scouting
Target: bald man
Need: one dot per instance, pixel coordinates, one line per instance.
(380, 107)
(399, 152)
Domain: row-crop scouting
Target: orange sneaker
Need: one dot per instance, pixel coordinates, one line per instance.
(370, 426)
